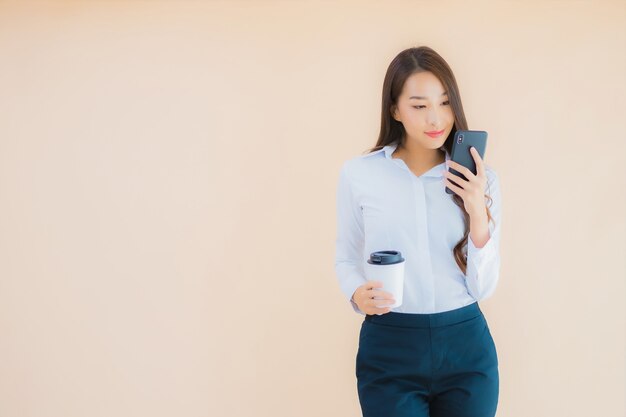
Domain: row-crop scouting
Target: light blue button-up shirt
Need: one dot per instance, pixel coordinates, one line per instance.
(383, 205)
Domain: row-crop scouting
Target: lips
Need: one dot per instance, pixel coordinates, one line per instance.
(434, 133)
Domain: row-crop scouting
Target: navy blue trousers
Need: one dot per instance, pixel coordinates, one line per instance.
(418, 365)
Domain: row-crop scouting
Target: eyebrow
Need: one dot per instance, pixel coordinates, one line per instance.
(445, 93)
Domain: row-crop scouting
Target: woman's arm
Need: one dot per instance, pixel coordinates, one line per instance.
(350, 239)
(483, 246)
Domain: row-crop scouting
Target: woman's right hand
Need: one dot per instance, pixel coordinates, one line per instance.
(364, 298)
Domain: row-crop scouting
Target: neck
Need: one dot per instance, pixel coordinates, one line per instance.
(416, 156)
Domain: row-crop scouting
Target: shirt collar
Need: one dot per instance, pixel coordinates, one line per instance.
(436, 171)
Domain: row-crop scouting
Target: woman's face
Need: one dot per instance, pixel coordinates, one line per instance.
(431, 112)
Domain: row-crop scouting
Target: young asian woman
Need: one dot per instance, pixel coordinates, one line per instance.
(434, 354)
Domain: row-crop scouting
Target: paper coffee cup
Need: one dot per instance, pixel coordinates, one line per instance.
(387, 266)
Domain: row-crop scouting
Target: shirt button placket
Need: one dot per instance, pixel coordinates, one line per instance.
(423, 247)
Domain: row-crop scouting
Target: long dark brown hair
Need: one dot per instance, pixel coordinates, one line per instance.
(405, 64)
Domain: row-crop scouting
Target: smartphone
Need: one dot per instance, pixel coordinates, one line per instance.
(463, 141)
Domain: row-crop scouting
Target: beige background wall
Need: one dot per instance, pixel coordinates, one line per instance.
(167, 199)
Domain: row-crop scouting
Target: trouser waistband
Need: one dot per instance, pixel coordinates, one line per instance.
(444, 318)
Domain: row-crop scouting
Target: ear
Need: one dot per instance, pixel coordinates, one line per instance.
(394, 112)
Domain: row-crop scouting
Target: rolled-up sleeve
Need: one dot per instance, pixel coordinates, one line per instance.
(483, 264)
(350, 238)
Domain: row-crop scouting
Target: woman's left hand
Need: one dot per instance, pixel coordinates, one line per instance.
(471, 191)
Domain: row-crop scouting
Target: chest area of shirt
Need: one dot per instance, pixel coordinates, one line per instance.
(385, 192)
(397, 201)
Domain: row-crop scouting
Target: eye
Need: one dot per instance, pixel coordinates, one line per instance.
(444, 103)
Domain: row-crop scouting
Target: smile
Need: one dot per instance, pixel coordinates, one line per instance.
(435, 134)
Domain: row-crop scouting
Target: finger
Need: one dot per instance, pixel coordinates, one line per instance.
(461, 169)
(378, 287)
(454, 188)
(381, 295)
(480, 166)
(377, 294)
(382, 303)
(453, 177)
(376, 309)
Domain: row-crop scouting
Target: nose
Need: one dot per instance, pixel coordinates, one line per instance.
(434, 118)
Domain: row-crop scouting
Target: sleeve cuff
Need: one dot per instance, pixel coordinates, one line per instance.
(477, 256)
(349, 289)
(356, 308)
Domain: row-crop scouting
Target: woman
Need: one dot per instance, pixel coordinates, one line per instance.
(434, 354)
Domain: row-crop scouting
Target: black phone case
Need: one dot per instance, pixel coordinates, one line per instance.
(461, 151)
